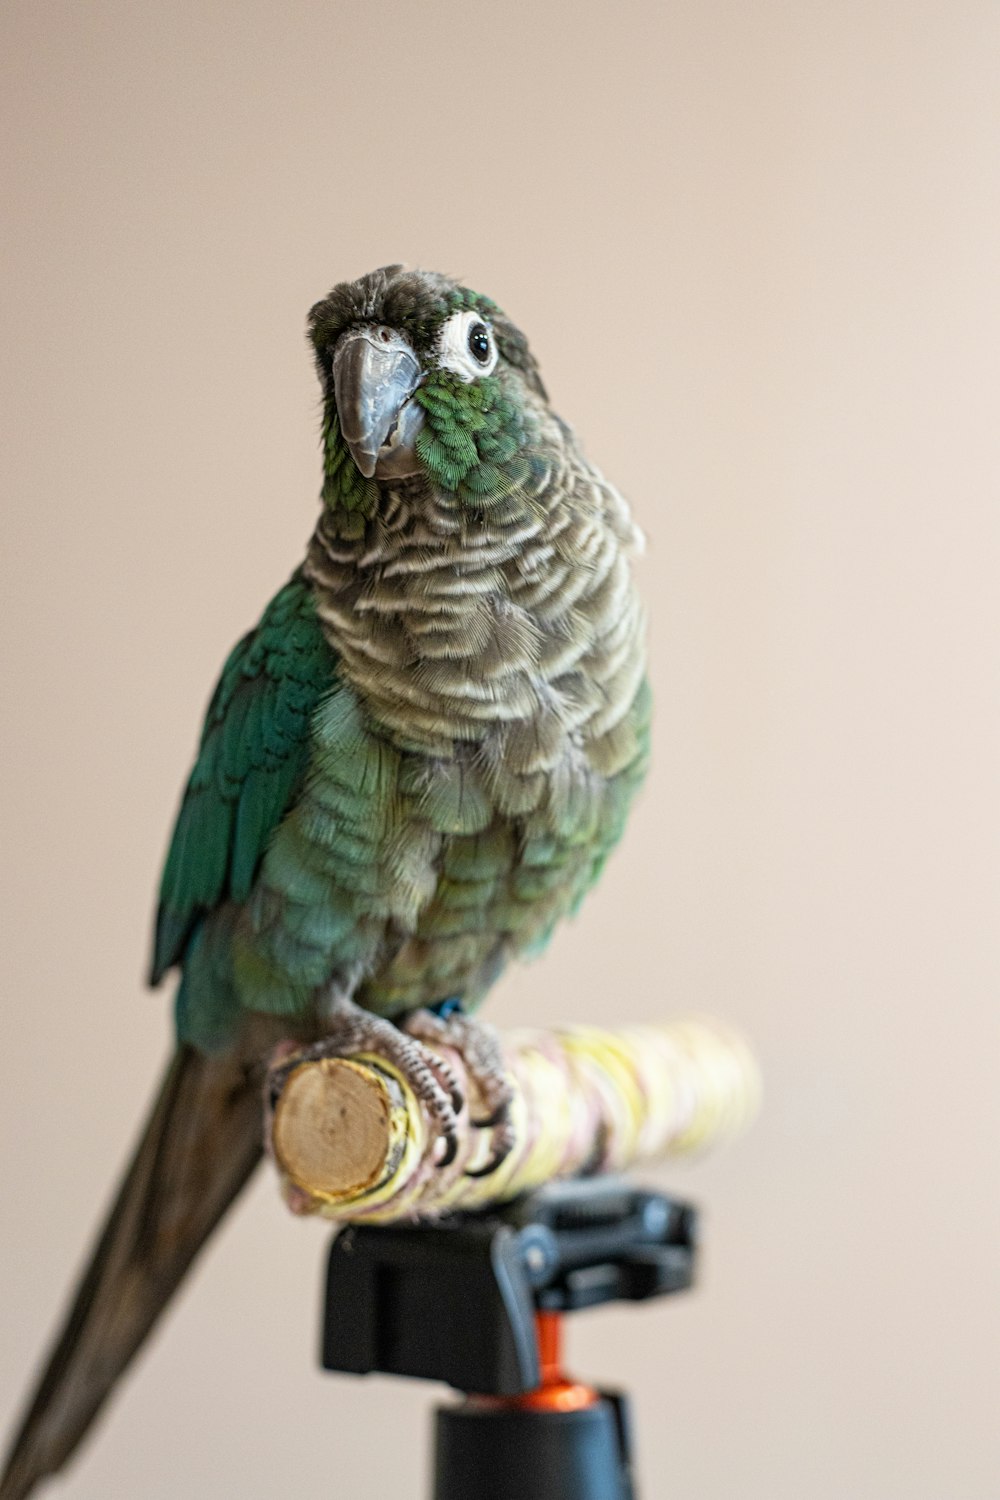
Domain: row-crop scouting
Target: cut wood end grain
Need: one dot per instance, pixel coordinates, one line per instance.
(332, 1127)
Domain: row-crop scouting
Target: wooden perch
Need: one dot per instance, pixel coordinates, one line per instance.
(352, 1143)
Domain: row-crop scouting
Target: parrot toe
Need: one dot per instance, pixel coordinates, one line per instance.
(478, 1045)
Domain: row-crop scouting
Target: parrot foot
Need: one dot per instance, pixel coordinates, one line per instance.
(479, 1047)
(351, 1029)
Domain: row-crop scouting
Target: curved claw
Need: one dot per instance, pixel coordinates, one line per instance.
(502, 1144)
(498, 1117)
(500, 1155)
(450, 1151)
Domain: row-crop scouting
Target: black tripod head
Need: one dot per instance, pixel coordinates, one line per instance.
(458, 1302)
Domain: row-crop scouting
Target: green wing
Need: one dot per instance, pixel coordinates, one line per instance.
(251, 761)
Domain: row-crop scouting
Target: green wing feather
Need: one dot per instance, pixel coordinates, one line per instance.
(251, 761)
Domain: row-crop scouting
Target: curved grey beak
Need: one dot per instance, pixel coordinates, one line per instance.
(375, 372)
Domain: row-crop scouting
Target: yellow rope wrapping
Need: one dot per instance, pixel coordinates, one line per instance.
(585, 1100)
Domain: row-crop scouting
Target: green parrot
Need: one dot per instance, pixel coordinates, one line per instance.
(410, 770)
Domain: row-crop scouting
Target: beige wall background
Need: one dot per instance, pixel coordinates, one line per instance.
(756, 249)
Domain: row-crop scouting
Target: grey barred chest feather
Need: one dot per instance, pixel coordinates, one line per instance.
(516, 628)
(475, 764)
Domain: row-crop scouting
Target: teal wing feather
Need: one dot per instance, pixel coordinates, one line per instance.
(251, 761)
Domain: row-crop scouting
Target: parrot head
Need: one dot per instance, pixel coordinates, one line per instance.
(422, 378)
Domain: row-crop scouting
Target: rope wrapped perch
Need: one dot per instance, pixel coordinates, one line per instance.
(353, 1144)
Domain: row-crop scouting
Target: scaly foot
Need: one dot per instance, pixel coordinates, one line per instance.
(478, 1045)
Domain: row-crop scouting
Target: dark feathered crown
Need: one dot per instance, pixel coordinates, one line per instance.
(416, 303)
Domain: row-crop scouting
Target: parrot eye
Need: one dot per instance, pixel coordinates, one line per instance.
(466, 346)
(479, 343)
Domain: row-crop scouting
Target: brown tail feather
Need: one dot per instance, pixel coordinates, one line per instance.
(200, 1145)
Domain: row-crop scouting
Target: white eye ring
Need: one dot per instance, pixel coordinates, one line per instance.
(453, 349)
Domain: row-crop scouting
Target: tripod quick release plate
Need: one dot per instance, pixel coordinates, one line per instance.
(456, 1301)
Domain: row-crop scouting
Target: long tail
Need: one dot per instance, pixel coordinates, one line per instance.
(200, 1145)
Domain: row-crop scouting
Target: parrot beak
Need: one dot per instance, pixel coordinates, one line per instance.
(375, 372)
